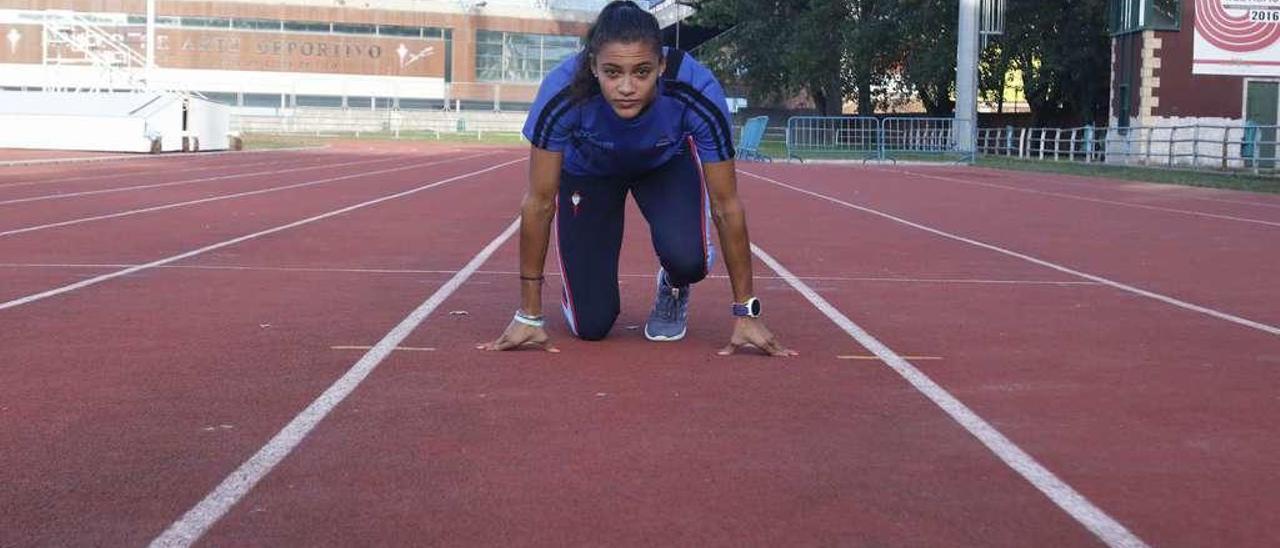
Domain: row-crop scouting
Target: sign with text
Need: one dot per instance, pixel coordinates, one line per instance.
(1237, 37)
(235, 50)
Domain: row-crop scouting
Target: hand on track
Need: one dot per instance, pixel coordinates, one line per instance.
(519, 336)
(752, 332)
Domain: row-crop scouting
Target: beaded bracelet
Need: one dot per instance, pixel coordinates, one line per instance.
(531, 321)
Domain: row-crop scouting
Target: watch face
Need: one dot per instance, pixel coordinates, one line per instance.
(755, 307)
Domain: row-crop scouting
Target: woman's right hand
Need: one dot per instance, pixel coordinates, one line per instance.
(519, 335)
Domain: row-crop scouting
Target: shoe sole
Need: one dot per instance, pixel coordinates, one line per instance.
(662, 338)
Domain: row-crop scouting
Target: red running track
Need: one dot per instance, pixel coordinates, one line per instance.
(127, 402)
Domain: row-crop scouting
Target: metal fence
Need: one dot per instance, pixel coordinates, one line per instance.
(1222, 148)
(909, 138)
(321, 121)
(1219, 148)
(833, 137)
(869, 138)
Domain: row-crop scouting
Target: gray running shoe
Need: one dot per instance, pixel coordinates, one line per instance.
(670, 317)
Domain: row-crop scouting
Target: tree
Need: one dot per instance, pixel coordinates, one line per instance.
(871, 42)
(993, 71)
(1064, 52)
(780, 48)
(833, 49)
(928, 51)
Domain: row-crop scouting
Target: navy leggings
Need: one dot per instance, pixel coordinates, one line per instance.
(589, 220)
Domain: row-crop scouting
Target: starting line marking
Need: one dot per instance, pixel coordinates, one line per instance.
(878, 358)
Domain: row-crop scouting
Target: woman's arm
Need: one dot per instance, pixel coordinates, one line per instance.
(731, 222)
(537, 212)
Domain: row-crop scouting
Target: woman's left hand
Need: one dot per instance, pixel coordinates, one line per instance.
(752, 332)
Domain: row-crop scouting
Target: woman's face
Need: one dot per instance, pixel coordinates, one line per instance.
(628, 76)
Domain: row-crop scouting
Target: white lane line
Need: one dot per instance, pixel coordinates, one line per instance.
(126, 271)
(552, 274)
(1239, 202)
(1068, 499)
(40, 161)
(228, 196)
(1265, 328)
(100, 176)
(220, 163)
(1088, 199)
(398, 348)
(1088, 183)
(187, 530)
(289, 169)
(169, 156)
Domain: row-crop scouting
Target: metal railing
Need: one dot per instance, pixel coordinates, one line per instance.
(919, 138)
(1200, 147)
(825, 137)
(868, 138)
(323, 121)
(75, 39)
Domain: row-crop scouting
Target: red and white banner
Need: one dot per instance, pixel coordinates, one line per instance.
(1237, 37)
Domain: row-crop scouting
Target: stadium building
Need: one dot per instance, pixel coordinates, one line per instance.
(371, 54)
(1209, 62)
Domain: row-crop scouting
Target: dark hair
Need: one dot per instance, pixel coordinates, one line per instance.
(619, 21)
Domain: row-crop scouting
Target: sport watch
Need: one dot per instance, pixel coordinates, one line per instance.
(749, 309)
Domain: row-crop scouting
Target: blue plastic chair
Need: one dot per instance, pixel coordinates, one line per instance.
(749, 143)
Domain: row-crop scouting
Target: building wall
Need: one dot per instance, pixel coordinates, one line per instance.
(1164, 91)
(1186, 95)
(338, 62)
(1183, 118)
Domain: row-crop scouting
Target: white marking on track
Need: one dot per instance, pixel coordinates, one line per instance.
(1094, 200)
(187, 530)
(398, 348)
(1103, 526)
(1265, 328)
(167, 260)
(322, 270)
(162, 207)
(289, 169)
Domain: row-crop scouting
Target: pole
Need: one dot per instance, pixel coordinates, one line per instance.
(151, 43)
(966, 121)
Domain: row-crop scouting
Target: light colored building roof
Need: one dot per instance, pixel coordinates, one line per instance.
(571, 10)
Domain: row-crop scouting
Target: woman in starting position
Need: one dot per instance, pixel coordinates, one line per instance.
(627, 115)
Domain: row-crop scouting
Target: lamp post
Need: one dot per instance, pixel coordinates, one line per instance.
(965, 122)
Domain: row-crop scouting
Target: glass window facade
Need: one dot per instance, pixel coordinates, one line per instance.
(1139, 15)
(519, 58)
(245, 23)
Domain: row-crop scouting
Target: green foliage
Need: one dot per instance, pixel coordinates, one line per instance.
(780, 48)
(872, 50)
(1064, 52)
(928, 51)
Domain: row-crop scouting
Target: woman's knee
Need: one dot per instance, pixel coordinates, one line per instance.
(594, 327)
(685, 270)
